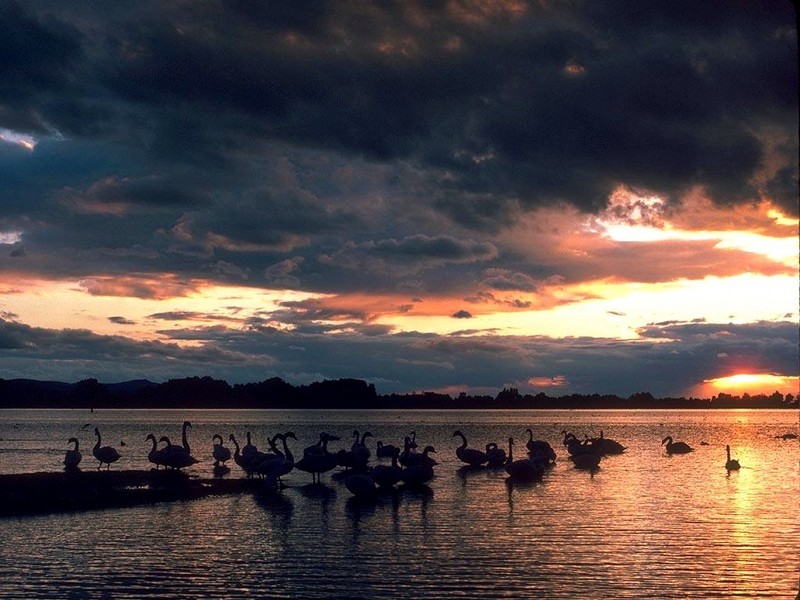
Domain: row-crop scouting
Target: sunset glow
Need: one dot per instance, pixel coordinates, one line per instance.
(755, 383)
(456, 197)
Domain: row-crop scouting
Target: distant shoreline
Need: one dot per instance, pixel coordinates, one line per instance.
(340, 394)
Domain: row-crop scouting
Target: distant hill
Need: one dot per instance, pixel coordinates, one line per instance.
(206, 392)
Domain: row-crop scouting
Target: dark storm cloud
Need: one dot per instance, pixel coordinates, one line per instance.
(529, 107)
(121, 321)
(182, 117)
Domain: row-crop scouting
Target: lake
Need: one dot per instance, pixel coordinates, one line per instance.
(644, 525)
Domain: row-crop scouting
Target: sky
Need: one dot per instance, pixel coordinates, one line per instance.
(453, 196)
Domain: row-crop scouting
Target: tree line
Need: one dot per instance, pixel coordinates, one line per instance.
(206, 392)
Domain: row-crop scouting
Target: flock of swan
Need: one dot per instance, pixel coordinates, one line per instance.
(407, 465)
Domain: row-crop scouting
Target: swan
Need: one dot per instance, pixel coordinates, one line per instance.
(175, 457)
(419, 473)
(361, 485)
(220, 453)
(238, 458)
(184, 440)
(676, 447)
(786, 436)
(155, 455)
(287, 464)
(608, 446)
(266, 463)
(731, 464)
(249, 448)
(73, 457)
(470, 456)
(495, 456)
(358, 455)
(385, 450)
(105, 454)
(320, 462)
(387, 476)
(523, 469)
(540, 449)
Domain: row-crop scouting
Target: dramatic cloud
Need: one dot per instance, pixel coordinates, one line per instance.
(366, 171)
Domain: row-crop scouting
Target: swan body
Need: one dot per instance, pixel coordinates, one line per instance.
(523, 469)
(676, 447)
(361, 485)
(470, 456)
(420, 473)
(72, 457)
(387, 476)
(239, 458)
(385, 450)
(105, 454)
(539, 449)
(495, 456)
(176, 457)
(220, 453)
(155, 455)
(249, 448)
(318, 462)
(608, 446)
(731, 464)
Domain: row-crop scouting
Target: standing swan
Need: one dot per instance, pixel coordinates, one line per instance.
(105, 454)
(731, 464)
(220, 453)
(73, 456)
(676, 447)
(470, 456)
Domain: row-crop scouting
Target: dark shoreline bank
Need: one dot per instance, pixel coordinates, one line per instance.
(72, 491)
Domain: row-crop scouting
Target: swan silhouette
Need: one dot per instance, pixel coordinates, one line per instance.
(249, 448)
(539, 449)
(319, 460)
(155, 455)
(361, 485)
(385, 450)
(220, 453)
(522, 469)
(184, 440)
(676, 447)
(608, 446)
(420, 473)
(176, 457)
(105, 454)
(495, 456)
(470, 456)
(387, 476)
(72, 457)
(731, 464)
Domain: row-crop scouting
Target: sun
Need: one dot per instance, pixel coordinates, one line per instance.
(754, 384)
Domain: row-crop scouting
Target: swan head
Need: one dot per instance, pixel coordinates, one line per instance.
(457, 433)
(150, 436)
(165, 439)
(290, 434)
(187, 424)
(216, 436)
(666, 439)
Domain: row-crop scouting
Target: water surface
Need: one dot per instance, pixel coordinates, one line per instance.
(644, 525)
